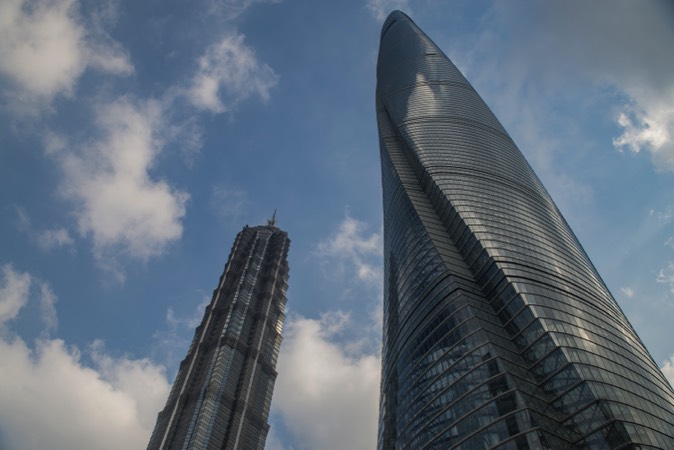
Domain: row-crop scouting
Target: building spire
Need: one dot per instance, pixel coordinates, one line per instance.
(272, 222)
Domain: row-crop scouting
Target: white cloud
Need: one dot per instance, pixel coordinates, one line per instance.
(650, 133)
(666, 276)
(13, 293)
(650, 128)
(42, 45)
(141, 379)
(45, 48)
(228, 73)
(231, 9)
(627, 292)
(668, 369)
(664, 216)
(118, 203)
(112, 406)
(109, 406)
(187, 133)
(190, 321)
(172, 342)
(56, 237)
(48, 307)
(104, 53)
(45, 239)
(350, 240)
(350, 246)
(380, 9)
(618, 46)
(327, 398)
(670, 242)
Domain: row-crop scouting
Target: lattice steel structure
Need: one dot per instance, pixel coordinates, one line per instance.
(222, 393)
(498, 330)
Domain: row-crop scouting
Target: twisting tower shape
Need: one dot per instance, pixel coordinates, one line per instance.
(498, 331)
(222, 393)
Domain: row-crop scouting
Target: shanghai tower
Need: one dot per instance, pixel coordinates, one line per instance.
(222, 393)
(498, 330)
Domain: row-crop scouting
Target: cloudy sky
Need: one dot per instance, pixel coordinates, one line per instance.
(137, 138)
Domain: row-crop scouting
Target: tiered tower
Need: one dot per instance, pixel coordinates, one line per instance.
(222, 393)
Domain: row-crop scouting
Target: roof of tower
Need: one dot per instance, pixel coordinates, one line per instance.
(393, 18)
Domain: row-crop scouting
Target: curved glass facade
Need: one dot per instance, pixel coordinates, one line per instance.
(222, 393)
(498, 330)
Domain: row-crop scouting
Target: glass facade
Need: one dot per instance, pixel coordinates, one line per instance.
(498, 331)
(222, 393)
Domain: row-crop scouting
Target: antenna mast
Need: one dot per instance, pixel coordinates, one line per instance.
(272, 222)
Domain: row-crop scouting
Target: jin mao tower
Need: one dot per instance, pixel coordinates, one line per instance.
(222, 393)
(498, 331)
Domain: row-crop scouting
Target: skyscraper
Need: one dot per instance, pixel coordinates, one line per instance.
(222, 393)
(498, 330)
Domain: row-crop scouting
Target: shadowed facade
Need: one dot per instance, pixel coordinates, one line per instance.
(222, 393)
(498, 330)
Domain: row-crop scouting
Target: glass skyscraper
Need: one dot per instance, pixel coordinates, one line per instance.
(222, 393)
(498, 330)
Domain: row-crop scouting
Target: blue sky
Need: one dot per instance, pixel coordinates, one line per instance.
(137, 138)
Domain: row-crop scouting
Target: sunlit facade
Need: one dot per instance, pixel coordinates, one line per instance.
(498, 330)
(222, 393)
